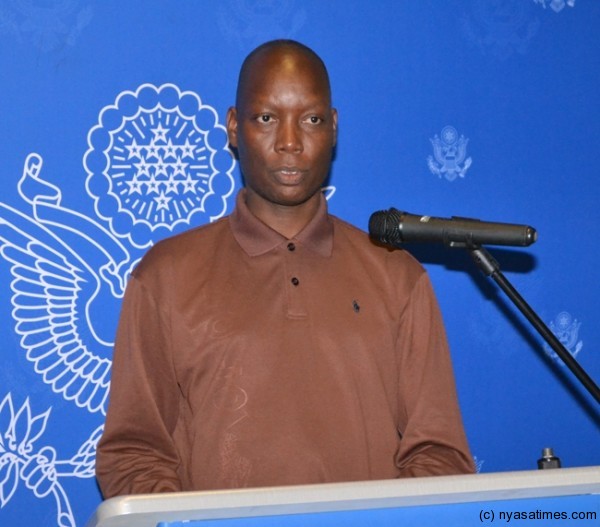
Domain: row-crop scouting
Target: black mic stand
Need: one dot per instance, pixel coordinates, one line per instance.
(489, 266)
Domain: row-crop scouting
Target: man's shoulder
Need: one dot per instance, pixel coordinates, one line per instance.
(388, 260)
(352, 234)
(348, 230)
(188, 244)
(201, 234)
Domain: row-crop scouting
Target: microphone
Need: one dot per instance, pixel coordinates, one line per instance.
(394, 227)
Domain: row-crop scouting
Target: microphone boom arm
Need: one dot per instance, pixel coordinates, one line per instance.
(489, 267)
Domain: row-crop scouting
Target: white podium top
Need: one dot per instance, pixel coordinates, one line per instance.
(146, 510)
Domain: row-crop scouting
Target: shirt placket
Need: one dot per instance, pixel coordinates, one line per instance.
(294, 277)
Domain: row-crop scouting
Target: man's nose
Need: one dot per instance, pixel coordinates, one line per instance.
(289, 138)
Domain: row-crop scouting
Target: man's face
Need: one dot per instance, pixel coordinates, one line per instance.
(283, 128)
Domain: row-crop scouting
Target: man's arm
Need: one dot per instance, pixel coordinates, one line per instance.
(136, 453)
(433, 438)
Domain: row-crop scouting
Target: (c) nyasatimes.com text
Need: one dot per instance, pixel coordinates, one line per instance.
(488, 516)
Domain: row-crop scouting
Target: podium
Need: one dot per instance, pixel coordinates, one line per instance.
(566, 496)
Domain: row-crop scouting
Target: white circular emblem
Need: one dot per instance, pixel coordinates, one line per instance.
(158, 159)
(449, 135)
(566, 329)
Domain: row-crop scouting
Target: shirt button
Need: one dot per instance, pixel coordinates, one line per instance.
(291, 247)
(295, 281)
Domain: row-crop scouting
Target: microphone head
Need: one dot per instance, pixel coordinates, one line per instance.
(383, 226)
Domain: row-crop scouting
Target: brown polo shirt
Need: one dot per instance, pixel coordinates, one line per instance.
(246, 359)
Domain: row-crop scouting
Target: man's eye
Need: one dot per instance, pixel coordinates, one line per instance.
(314, 119)
(265, 118)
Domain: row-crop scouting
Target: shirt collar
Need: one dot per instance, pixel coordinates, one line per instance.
(256, 238)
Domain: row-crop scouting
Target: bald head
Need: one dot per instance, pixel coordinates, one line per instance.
(283, 131)
(284, 54)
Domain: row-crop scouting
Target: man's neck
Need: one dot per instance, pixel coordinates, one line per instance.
(286, 220)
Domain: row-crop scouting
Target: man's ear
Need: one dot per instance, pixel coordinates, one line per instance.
(232, 124)
(334, 118)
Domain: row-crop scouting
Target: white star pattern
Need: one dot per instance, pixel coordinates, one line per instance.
(189, 185)
(143, 169)
(134, 149)
(160, 167)
(160, 133)
(152, 185)
(170, 150)
(188, 149)
(134, 186)
(179, 167)
(162, 201)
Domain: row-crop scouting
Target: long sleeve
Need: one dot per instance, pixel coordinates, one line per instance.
(244, 359)
(136, 453)
(433, 439)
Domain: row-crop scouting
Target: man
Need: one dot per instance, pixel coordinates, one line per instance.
(278, 345)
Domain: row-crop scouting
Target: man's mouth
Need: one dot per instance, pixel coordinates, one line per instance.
(289, 175)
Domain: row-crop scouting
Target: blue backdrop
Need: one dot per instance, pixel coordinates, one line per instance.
(112, 137)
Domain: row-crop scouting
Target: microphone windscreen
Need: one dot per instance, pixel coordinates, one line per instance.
(383, 226)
